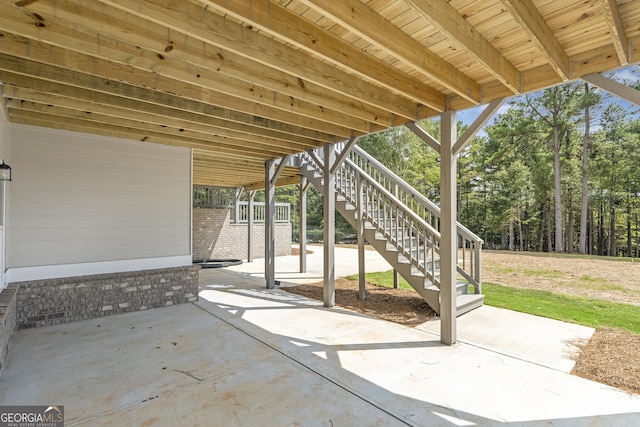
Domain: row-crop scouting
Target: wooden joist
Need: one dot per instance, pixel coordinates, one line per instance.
(242, 83)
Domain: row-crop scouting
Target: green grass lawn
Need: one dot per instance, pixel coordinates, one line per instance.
(583, 311)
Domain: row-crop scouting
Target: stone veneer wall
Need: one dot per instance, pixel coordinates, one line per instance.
(52, 301)
(214, 236)
(8, 310)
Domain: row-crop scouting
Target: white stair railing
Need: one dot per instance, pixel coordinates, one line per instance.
(469, 244)
(409, 221)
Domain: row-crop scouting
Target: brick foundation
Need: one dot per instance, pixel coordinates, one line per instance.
(53, 301)
(214, 236)
(8, 325)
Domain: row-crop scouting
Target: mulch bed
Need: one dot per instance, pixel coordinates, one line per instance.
(395, 305)
(611, 357)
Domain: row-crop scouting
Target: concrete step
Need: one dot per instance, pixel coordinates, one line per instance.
(467, 302)
(462, 287)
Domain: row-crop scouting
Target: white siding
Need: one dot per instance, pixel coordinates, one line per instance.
(4, 137)
(78, 198)
(5, 145)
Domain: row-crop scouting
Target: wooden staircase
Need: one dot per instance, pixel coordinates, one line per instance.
(401, 224)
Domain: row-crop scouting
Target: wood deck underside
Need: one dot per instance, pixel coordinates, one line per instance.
(244, 82)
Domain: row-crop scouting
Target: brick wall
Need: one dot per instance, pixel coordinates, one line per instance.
(8, 310)
(53, 301)
(215, 237)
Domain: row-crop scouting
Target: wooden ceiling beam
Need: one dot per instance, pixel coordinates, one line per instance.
(235, 168)
(91, 18)
(215, 168)
(248, 172)
(192, 99)
(589, 62)
(275, 19)
(208, 140)
(363, 21)
(238, 166)
(88, 106)
(47, 121)
(135, 130)
(283, 181)
(454, 26)
(214, 30)
(81, 52)
(532, 22)
(616, 28)
(35, 89)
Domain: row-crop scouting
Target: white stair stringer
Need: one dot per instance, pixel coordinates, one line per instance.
(391, 251)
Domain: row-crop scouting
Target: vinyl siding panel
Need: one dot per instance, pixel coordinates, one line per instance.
(5, 145)
(79, 198)
(4, 137)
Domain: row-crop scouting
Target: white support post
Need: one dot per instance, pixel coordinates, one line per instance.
(281, 165)
(448, 232)
(237, 205)
(477, 264)
(362, 293)
(329, 196)
(269, 223)
(303, 224)
(396, 275)
(250, 226)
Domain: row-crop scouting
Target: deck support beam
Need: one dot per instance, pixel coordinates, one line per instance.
(348, 146)
(480, 121)
(329, 199)
(618, 89)
(303, 187)
(448, 229)
(250, 225)
(236, 203)
(269, 223)
(449, 147)
(362, 293)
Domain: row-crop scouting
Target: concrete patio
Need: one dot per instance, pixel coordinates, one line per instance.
(246, 356)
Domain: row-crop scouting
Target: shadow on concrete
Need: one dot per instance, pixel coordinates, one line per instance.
(391, 384)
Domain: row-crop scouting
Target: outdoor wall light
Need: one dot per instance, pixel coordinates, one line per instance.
(5, 172)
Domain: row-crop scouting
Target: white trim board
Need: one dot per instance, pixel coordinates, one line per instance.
(22, 274)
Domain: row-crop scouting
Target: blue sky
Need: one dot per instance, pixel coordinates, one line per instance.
(625, 74)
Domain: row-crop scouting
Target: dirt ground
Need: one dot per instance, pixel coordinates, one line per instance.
(616, 281)
(395, 305)
(611, 357)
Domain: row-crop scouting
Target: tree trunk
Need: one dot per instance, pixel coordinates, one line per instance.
(559, 244)
(549, 234)
(520, 237)
(601, 230)
(541, 225)
(637, 238)
(591, 232)
(511, 236)
(570, 222)
(629, 242)
(526, 226)
(503, 238)
(613, 248)
(582, 245)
